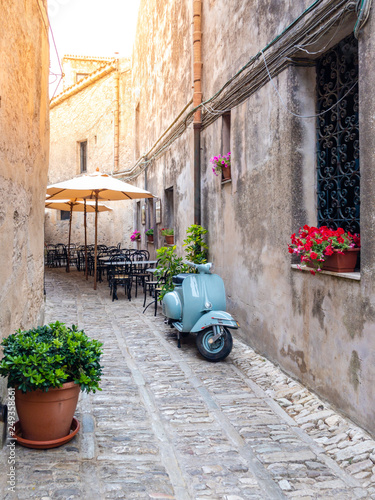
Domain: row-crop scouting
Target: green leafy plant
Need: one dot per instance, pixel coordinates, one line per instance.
(167, 232)
(47, 356)
(196, 250)
(168, 266)
(150, 232)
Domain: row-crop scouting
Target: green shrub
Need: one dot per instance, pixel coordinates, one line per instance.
(196, 250)
(168, 266)
(47, 356)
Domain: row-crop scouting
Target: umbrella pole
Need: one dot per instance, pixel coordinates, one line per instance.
(85, 223)
(96, 238)
(70, 232)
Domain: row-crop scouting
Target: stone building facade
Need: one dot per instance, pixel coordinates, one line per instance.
(24, 147)
(318, 328)
(91, 128)
(258, 71)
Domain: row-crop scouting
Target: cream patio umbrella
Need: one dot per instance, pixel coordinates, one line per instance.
(96, 187)
(76, 206)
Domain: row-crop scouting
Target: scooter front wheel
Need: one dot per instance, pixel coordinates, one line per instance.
(219, 349)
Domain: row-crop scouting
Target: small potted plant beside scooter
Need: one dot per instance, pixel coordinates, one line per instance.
(48, 366)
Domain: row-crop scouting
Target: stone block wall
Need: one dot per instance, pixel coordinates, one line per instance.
(24, 146)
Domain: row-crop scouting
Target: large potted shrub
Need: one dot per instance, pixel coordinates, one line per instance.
(48, 366)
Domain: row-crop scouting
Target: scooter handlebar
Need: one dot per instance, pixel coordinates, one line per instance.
(201, 268)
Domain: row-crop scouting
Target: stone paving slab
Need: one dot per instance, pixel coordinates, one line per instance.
(170, 425)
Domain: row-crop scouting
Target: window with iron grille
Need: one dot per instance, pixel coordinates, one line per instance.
(83, 156)
(338, 176)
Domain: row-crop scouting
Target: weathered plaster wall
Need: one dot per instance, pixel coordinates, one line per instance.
(318, 328)
(161, 66)
(162, 88)
(235, 31)
(24, 127)
(126, 116)
(24, 148)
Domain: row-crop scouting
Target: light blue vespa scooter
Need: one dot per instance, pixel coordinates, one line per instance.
(197, 305)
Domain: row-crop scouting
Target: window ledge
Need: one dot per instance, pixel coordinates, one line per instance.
(227, 181)
(349, 276)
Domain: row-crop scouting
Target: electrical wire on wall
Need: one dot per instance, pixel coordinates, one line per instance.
(305, 31)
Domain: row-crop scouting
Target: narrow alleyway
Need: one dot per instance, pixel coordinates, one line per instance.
(169, 425)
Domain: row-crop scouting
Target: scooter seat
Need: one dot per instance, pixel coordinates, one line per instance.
(179, 278)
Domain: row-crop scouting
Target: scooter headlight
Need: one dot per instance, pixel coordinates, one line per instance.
(208, 305)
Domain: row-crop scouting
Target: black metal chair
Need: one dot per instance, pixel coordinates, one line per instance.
(50, 255)
(81, 258)
(154, 287)
(120, 275)
(139, 270)
(73, 255)
(101, 267)
(60, 254)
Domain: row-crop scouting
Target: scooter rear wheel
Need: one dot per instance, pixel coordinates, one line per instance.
(218, 350)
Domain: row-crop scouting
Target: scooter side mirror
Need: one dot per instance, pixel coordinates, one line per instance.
(204, 268)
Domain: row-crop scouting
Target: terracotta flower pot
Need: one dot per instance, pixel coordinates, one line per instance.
(46, 416)
(226, 173)
(342, 262)
(169, 239)
(150, 238)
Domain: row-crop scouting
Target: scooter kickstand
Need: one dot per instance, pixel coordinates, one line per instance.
(179, 340)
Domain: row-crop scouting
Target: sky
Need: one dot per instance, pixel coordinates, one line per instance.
(91, 28)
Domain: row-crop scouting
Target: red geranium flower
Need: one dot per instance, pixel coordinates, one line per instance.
(314, 245)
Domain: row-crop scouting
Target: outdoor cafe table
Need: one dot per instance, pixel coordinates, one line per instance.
(143, 264)
(146, 263)
(107, 262)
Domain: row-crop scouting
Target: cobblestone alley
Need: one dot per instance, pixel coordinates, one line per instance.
(169, 425)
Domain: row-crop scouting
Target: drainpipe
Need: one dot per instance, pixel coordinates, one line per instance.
(116, 138)
(146, 202)
(197, 100)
